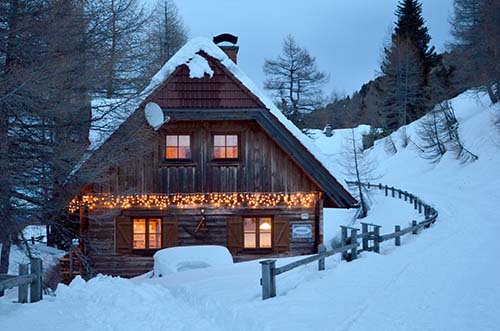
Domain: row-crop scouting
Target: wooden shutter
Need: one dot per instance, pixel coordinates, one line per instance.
(169, 232)
(123, 234)
(281, 234)
(234, 234)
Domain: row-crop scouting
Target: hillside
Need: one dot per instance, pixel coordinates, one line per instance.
(446, 278)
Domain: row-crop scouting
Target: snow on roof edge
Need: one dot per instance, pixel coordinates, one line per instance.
(184, 56)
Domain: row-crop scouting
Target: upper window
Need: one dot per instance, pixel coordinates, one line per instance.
(147, 233)
(257, 232)
(178, 147)
(225, 146)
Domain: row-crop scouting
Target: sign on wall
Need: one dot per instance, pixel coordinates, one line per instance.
(303, 231)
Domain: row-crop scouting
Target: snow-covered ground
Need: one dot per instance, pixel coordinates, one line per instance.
(446, 278)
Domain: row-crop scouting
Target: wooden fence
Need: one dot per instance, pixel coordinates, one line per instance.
(370, 239)
(28, 278)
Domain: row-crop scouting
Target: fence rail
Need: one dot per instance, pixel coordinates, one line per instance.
(28, 278)
(349, 239)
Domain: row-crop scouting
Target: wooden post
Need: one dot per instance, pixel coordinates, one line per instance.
(36, 285)
(399, 194)
(414, 223)
(420, 207)
(380, 186)
(70, 255)
(321, 261)
(386, 191)
(376, 243)
(364, 232)
(426, 211)
(23, 289)
(406, 196)
(369, 185)
(392, 192)
(415, 202)
(354, 240)
(343, 240)
(268, 280)
(411, 198)
(397, 239)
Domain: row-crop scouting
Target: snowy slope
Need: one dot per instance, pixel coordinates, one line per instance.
(446, 278)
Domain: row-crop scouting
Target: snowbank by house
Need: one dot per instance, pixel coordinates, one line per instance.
(182, 258)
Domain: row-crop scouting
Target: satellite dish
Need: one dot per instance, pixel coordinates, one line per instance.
(154, 115)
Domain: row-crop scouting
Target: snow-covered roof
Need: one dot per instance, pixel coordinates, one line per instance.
(199, 67)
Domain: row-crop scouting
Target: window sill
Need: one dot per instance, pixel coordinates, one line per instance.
(178, 163)
(145, 252)
(225, 162)
(257, 251)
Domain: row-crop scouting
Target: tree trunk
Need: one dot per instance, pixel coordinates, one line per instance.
(4, 259)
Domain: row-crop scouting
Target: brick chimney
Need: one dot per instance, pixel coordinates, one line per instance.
(230, 50)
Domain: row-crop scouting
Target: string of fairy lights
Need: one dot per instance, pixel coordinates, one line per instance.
(164, 201)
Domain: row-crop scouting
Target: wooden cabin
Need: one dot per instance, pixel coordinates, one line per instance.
(227, 169)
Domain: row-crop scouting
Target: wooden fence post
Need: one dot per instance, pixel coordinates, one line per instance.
(399, 194)
(364, 232)
(380, 186)
(23, 289)
(406, 196)
(414, 223)
(36, 285)
(321, 262)
(386, 191)
(397, 239)
(376, 235)
(343, 241)
(415, 202)
(268, 280)
(354, 240)
(392, 192)
(420, 207)
(411, 198)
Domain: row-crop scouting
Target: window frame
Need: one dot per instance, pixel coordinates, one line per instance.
(147, 248)
(212, 147)
(178, 160)
(257, 247)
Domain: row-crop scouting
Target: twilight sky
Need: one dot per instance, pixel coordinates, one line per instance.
(346, 36)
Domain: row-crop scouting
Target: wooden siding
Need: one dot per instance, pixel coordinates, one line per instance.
(105, 257)
(262, 167)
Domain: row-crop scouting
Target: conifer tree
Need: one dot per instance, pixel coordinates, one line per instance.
(405, 68)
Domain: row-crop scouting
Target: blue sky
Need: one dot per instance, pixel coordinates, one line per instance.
(346, 36)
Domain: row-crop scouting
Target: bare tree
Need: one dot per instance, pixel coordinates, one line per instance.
(358, 167)
(401, 85)
(165, 35)
(476, 28)
(295, 80)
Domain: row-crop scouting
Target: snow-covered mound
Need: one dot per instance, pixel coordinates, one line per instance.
(182, 258)
(447, 278)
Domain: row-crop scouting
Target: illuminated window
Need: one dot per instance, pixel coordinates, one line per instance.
(147, 233)
(226, 146)
(178, 147)
(257, 232)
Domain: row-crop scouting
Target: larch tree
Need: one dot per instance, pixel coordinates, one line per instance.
(165, 35)
(295, 81)
(359, 168)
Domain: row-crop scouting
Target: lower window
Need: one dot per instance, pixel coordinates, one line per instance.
(257, 232)
(146, 233)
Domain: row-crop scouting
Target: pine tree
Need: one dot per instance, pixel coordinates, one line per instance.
(411, 26)
(407, 62)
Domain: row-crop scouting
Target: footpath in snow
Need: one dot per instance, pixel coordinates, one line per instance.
(446, 278)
